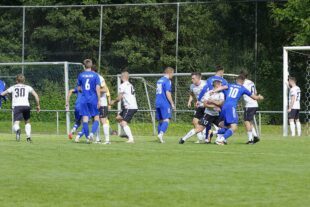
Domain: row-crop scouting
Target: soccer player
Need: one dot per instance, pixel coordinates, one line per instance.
(195, 89)
(250, 108)
(219, 73)
(78, 117)
(2, 88)
(212, 102)
(104, 109)
(294, 106)
(89, 84)
(229, 109)
(129, 103)
(164, 102)
(20, 104)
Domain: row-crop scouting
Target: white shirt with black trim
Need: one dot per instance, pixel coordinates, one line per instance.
(103, 96)
(295, 91)
(196, 89)
(248, 101)
(129, 97)
(219, 96)
(20, 94)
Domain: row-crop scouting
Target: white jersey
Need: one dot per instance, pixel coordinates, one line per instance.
(295, 91)
(197, 89)
(248, 101)
(103, 96)
(129, 98)
(215, 96)
(20, 94)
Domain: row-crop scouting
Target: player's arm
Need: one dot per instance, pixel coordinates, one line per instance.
(217, 103)
(293, 98)
(36, 97)
(221, 88)
(108, 96)
(4, 93)
(190, 100)
(103, 88)
(169, 97)
(257, 97)
(68, 98)
(118, 99)
(98, 94)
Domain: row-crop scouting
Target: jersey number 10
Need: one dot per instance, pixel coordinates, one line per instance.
(233, 92)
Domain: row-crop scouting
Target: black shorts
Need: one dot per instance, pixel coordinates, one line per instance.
(103, 112)
(293, 114)
(199, 113)
(21, 112)
(127, 114)
(249, 113)
(208, 119)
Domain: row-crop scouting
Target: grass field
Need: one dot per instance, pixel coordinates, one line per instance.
(53, 171)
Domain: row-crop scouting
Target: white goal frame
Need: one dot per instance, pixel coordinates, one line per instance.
(66, 74)
(285, 87)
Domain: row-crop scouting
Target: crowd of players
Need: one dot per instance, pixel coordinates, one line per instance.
(215, 101)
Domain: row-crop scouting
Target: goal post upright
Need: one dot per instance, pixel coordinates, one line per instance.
(285, 86)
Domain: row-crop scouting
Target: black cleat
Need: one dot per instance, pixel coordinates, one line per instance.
(250, 142)
(29, 140)
(256, 139)
(18, 135)
(181, 141)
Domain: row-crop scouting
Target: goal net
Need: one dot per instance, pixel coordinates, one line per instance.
(51, 80)
(296, 63)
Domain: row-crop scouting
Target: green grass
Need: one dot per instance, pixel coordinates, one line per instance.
(53, 171)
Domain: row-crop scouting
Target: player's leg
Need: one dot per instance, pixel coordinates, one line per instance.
(199, 114)
(103, 114)
(17, 116)
(298, 125)
(231, 123)
(126, 118)
(26, 115)
(77, 122)
(291, 116)
(165, 117)
(199, 128)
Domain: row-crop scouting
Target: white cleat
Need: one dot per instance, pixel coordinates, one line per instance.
(107, 143)
(77, 139)
(160, 138)
(131, 141)
(98, 142)
(220, 140)
(198, 142)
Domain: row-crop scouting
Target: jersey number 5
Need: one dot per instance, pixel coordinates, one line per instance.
(19, 92)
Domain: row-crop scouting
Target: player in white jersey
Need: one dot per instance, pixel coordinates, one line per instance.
(250, 109)
(126, 94)
(195, 89)
(294, 106)
(212, 103)
(21, 106)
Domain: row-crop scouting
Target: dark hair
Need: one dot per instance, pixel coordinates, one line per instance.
(196, 74)
(292, 78)
(244, 73)
(94, 68)
(218, 68)
(240, 77)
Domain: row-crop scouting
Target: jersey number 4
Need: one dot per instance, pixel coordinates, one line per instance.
(19, 92)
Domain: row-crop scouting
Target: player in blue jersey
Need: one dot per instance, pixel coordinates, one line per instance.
(77, 116)
(164, 103)
(229, 110)
(2, 89)
(89, 84)
(219, 73)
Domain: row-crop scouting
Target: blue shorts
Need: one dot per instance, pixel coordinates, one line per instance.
(89, 109)
(163, 113)
(77, 115)
(229, 115)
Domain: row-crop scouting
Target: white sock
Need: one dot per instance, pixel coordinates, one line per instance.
(106, 132)
(254, 132)
(201, 136)
(292, 126)
(127, 130)
(298, 126)
(28, 130)
(250, 136)
(215, 127)
(73, 130)
(16, 127)
(97, 137)
(189, 134)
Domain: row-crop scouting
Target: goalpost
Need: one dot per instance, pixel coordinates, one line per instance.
(61, 75)
(286, 50)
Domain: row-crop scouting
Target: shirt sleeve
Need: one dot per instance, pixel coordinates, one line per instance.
(121, 89)
(224, 82)
(10, 90)
(30, 89)
(246, 91)
(98, 80)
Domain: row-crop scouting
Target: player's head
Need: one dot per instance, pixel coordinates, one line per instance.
(244, 73)
(240, 79)
(169, 71)
(20, 78)
(124, 75)
(88, 63)
(219, 70)
(217, 83)
(292, 81)
(196, 78)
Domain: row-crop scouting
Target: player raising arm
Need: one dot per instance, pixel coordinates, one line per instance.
(229, 109)
(164, 102)
(294, 106)
(20, 104)
(129, 103)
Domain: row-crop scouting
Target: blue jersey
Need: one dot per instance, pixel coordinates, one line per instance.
(163, 85)
(209, 85)
(78, 97)
(88, 81)
(2, 89)
(234, 93)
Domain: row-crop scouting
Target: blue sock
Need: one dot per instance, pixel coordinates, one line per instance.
(228, 133)
(208, 127)
(164, 126)
(95, 127)
(159, 127)
(85, 129)
(222, 130)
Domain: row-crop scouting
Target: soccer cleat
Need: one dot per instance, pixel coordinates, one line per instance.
(198, 142)
(220, 140)
(107, 143)
(250, 142)
(131, 141)
(70, 136)
(181, 141)
(256, 139)
(77, 139)
(160, 138)
(98, 142)
(91, 137)
(18, 135)
(29, 140)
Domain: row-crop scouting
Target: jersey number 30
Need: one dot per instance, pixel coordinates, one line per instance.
(19, 92)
